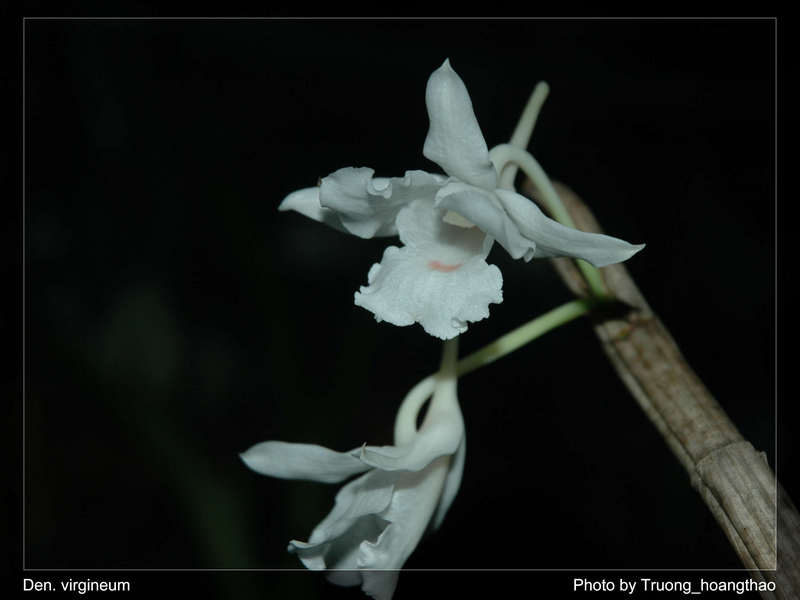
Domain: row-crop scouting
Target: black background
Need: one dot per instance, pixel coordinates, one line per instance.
(174, 317)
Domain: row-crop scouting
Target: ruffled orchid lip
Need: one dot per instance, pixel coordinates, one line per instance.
(439, 278)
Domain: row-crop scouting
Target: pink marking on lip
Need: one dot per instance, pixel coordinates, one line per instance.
(435, 265)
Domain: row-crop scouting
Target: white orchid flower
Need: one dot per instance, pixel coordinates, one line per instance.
(439, 277)
(379, 518)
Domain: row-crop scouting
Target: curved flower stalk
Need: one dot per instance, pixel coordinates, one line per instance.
(405, 489)
(447, 224)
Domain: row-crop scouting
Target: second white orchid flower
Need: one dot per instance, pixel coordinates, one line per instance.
(439, 277)
(407, 488)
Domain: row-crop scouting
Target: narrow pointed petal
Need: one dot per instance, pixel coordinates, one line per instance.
(441, 434)
(302, 461)
(454, 139)
(484, 209)
(554, 239)
(306, 202)
(363, 208)
(367, 206)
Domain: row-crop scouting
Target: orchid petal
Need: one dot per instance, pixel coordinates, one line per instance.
(301, 461)
(441, 434)
(334, 543)
(414, 501)
(554, 239)
(369, 494)
(306, 202)
(375, 525)
(412, 285)
(408, 515)
(380, 585)
(341, 552)
(484, 209)
(367, 206)
(421, 225)
(454, 139)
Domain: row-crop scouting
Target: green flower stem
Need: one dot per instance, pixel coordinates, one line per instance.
(523, 131)
(594, 279)
(504, 154)
(405, 421)
(526, 333)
